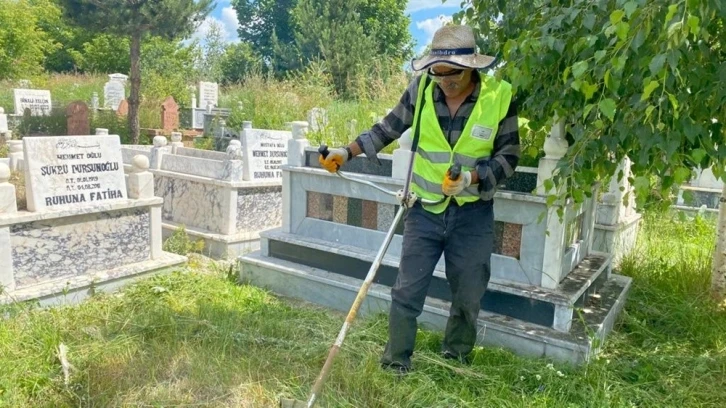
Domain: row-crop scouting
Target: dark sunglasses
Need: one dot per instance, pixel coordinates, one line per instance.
(445, 74)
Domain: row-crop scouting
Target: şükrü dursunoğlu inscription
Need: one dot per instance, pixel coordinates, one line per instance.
(65, 171)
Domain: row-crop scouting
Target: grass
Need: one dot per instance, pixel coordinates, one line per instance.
(196, 338)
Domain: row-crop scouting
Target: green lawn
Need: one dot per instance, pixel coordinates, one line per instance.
(196, 338)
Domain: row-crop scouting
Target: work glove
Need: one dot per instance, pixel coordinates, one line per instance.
(336, 158)
(453, 187)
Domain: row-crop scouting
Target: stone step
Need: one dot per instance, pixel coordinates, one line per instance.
(546, 307)
(337, 291)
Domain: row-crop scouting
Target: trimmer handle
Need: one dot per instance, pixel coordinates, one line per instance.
(454, 171)
(323, 150)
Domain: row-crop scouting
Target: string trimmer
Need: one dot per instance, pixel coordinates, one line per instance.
(406, 200)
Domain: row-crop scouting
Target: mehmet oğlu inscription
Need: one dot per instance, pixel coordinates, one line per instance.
(73, 170)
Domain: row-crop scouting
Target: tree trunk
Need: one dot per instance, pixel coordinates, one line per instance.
(135, 77)
(718, 274)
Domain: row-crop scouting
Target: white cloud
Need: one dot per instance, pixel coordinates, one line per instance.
(429, 26)
(418, 5)
(227, 24)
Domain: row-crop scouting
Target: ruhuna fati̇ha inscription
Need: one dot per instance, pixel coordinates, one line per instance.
(265, 151)
(63, 172)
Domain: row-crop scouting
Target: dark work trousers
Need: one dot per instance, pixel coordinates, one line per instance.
(465, 234)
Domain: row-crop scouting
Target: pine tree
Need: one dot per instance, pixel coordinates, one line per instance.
(137, 19)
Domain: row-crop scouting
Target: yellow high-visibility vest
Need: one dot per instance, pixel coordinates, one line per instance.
(434, 155)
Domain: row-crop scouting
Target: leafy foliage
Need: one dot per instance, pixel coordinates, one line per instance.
(23, 45)
(643, 79)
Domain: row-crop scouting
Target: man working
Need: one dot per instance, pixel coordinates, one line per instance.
(461, 116)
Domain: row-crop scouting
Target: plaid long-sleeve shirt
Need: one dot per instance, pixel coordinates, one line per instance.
(492, 171)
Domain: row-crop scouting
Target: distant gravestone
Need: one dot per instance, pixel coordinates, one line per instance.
(208, 94)
(3, 121)
(77, 119)
(264, 153)
(169, 114)
(73, 171)
(318, 119)
(36, 100)
(123, 108)
(113, 93)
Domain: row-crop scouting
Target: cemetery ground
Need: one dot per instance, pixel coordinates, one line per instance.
(197, 337)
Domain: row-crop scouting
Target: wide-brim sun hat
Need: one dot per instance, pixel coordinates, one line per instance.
(454, 45)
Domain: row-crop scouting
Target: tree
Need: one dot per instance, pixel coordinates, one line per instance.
(261, 20)
(23, 45)
(213, 52)
(640, 78)
(136, 20)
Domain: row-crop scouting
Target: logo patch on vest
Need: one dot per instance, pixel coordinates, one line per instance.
(481, 132)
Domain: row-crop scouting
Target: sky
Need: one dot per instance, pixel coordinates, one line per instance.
(426, 17)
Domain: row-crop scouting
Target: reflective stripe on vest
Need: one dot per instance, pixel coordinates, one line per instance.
(434, 155)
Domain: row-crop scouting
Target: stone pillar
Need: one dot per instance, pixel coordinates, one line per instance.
(8, 205)
(247, 124)
(296, 146)
(402, 156)
(555, 147)
(176, 141)
(157, 152)
(194, 100)
(101, 131)
(141, 181)
(15, 148)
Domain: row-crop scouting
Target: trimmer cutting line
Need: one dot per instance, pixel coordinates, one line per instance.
(406, 198)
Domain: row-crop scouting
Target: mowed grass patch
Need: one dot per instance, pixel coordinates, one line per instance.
(196, 338)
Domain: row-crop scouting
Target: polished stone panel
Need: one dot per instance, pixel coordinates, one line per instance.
(72, 246)
(258, 208)
(340, 209)
(511, 240)
(370, 215)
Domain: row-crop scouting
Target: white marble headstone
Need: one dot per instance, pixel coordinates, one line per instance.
(208, 94)
(264, 153)
(38, 100)
(113, 93)
(73, 171)
(3, 121)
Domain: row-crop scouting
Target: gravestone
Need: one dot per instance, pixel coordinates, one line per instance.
(73, 171)
(208, 94)
(3, 121)
(264, 154)
(37, 101)
(113, 93)
(123, 108)
(77, 119)
(169, 114)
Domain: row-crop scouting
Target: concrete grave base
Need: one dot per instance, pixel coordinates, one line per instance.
(583, 341)
(75, 289)
(617, 239)
(218, 246)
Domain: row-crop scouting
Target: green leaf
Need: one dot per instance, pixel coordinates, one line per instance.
(656, 64)
(576, 85)
(578, 195)
(630, 8)
(607, 107)
(579, 68)
(638, 40)
(548, 185)
(698, 155)
(565, 74)
(589, 90)
(652, 86)
(642, 185)
(600, 55)
(674, 103)
(609, 81)
(589, 21)
(616, 16)
(532, 151)
(587, 111)
(694, 24)
(648, 111)
(681, 175)
(671, 13)
(623, 29)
